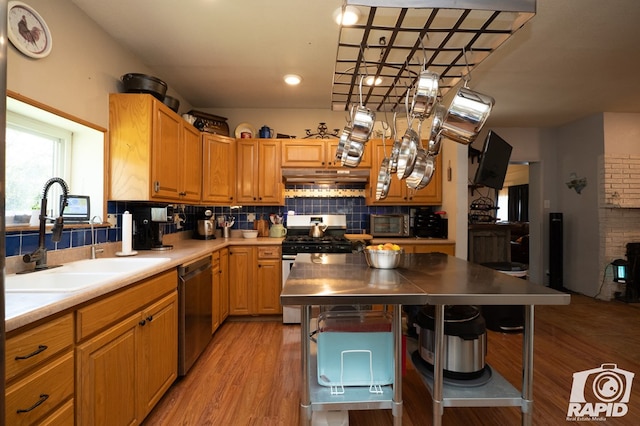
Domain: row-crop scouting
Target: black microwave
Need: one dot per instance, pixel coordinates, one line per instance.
(389, 225)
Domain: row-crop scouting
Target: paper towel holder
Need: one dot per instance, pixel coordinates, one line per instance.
(127, 230)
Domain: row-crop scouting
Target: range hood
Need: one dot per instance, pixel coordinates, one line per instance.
(325, 176)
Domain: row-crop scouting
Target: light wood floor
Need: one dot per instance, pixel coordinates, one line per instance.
(250, 372)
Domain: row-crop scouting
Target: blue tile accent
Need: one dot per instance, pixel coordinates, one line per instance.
(19, 243)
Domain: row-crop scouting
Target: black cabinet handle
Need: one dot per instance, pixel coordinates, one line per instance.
(43, 398)
(41, 348)
(150, 318)
(143, 322)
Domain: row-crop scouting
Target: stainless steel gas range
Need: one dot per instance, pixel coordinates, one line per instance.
(298, 240)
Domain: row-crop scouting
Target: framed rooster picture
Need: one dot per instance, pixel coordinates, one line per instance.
(27, 30)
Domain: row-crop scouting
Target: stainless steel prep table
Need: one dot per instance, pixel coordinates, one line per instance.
(430, 278)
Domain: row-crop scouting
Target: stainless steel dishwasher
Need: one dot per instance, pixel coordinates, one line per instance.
(194, 313)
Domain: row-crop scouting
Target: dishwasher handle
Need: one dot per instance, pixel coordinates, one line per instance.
(188, 270)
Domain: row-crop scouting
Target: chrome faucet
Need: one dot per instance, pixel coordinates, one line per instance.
(39, 255)
(94, 245)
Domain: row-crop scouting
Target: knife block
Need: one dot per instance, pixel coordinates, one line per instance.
(262, 226)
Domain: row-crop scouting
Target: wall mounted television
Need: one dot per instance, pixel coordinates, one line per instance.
(494, 161)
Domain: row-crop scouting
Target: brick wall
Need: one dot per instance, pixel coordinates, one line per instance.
(619, 213)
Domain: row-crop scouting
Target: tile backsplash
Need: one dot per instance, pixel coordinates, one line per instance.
(22, 242)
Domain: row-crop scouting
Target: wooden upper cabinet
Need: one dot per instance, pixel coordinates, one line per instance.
(219, 169)
(399, 193)
(259, 175)
(316, 153)
(154, 154)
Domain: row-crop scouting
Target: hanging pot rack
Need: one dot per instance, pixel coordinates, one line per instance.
(425, 34)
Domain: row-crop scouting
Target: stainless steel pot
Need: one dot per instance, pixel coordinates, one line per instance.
(465, 340)
(466, 115)
(362, 124)
(425, 95)
(352, 155)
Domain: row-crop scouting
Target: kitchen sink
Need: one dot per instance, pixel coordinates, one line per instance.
(78, 275)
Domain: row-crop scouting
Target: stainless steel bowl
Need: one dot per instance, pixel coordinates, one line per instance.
(383, 259)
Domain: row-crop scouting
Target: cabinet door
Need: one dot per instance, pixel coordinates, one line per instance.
(216, 292)
(224, 284)
(271, 188)
(247, 172)
(304, 153)
(106, 376)
(269, 286)
(242, 262)
(191, 164)
(158, 355)
(219, 169)
(166, 155)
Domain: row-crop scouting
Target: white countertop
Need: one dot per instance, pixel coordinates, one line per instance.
(24, 308)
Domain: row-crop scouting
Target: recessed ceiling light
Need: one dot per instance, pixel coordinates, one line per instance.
(369, 81)
(292, 79)
(350, 17)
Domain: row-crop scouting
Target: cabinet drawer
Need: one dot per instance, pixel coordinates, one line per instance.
(270, 252)
(63, 416)
(40, 392)
(101, 314)
(32, 347)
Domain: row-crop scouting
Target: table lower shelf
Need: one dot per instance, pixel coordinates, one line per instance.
(354, 397)
(497, 392)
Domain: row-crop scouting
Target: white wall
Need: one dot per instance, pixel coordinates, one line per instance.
(84, 66)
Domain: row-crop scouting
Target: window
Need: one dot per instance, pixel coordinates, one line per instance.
(41, 145)
(36, 151)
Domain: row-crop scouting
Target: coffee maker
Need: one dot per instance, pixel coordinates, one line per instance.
(148, 223)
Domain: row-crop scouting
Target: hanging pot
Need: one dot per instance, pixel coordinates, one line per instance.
(142, 83)
(353, 154)
(407, 155)
(423, 170)
(425, 95)
(466, 115)
(363, 120)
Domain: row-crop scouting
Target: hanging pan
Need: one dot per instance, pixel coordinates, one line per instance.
(423, 170)
(395, 149)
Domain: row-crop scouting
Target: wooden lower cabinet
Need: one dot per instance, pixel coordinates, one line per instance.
(39, 386)
(36, 397)
(255, 280)
(220, 274)
(122, 372)
(449, 249)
